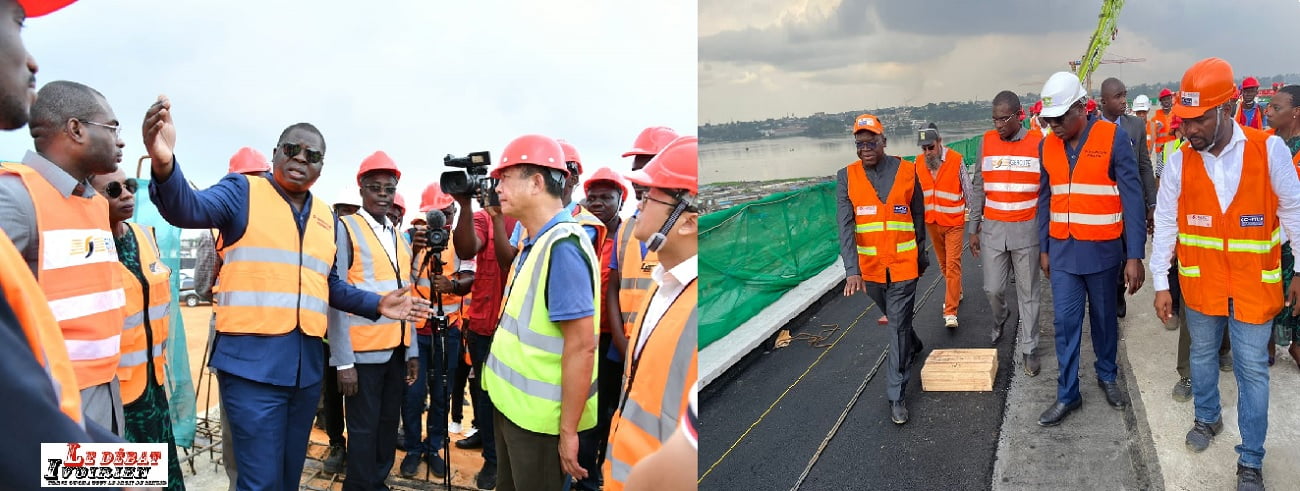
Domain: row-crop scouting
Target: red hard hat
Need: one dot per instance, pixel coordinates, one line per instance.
(571, 154)
(1206, 85)
(247, 160)
(37, 8)
(1175, 122)
(1036, 108)
(532, 149)
(675, 167)
(605, 174)
(434, 199)
(377, 161)
(1090, 106)
(1249, 82)
(400, 203)
(651, 141)
(1165, 93)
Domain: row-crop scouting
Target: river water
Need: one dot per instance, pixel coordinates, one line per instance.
(794, 157)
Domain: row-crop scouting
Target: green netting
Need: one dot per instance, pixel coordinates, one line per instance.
(179, 386)
(752, 254)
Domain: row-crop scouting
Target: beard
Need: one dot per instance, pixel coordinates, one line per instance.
(13, 111)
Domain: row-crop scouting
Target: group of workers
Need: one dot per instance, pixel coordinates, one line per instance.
(1074, 194)
(580, 325)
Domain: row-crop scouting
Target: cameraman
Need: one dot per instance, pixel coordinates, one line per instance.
(439, 346)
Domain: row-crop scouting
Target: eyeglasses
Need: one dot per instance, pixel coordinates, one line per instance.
(378, 189)
(927, 147)
(1002, 121)
(292, 150)
(1057, 119)
(871, 145)
(115, 128)
(665, 203)
(114, 189)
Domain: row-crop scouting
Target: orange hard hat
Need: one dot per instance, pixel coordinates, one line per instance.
(400, 203)
(1165, 93)
(651, 141)
(1206, 85)
(37, 8)
(675, 167)
(532, 149)
(605, 174)
(571, 154)
(247, 160)
(375, 162)
(434, 199)
(1249, 82)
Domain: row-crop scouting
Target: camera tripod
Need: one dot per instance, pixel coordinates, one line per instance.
(439, 327)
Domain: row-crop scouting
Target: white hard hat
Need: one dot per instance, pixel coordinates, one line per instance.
(1141, 103)
(1060, 92)
(349, 194)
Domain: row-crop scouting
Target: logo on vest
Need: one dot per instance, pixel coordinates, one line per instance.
(88, 246)
(902, 209)
(1199, 220)
(1252, 220)
(157, 267)
(1013, 163)
(321, 221)
(1094, 153)
(866, 210)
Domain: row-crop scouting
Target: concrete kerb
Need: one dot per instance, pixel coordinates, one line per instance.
(724, 353)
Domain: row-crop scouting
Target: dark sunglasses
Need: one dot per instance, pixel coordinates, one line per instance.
(114, 189)
(927, 147)
(871, 145)
(292, 150)
(1057, 119)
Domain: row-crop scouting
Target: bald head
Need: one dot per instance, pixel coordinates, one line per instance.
(1007, 98)
(1114, 98)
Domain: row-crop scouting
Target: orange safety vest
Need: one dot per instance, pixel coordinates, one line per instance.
(274, 279)
(884, 232)
(455, 306)
(152, 313)
(586, 218)
(634, 274)
(945, 203)
(658, 387)
(1236, 254)
(1011, 177)
(372, 271)
(1161, 121)
(43, 334)
(79, 273)
(1257, 123)
(1085, 201)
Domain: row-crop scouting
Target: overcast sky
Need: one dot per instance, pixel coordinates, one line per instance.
(774, 57)
(415, 79)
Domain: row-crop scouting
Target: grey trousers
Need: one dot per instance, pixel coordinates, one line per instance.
(103, 405)
(998, 265)
(897, 300)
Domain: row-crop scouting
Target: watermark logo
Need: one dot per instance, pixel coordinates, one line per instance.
(103, 464)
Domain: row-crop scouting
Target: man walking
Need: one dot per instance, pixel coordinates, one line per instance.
(1114, 101)
(943, 183)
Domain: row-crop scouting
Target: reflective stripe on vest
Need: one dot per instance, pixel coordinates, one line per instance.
(274, 280)
(523, 369)
(373, 271)
(1085, 201)
(634, 273)
(658, 388)
(79, 274)
(41, 331)
(452, 304)
(945, 205)
(1011, 172)
(1235, 254)
(132, 370)
(885, 234)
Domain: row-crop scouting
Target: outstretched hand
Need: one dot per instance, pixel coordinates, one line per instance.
(398, 305)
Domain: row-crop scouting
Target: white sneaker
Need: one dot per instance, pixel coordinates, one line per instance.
(453, 427)
(950, 321)
(470, 432)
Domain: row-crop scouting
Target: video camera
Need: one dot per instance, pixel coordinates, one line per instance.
(473, 181)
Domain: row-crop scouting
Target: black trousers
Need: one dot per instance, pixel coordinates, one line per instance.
(458, 390)
(591, 444)
(333, 402)
(373, 414)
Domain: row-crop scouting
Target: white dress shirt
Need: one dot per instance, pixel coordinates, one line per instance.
(671, 284)
(1225, 173)
(387, 235)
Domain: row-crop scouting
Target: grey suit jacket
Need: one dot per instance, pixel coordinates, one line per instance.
(1137, 134)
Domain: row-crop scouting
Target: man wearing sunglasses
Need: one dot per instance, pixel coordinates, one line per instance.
(881, 212)
(1003, 203)
(943, 178)
(61, 226)
(278, 280)
(1091, 224)
(42, 403)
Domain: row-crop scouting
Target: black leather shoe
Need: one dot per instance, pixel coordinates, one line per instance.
(473, 441)
(410, 464)
(1114, 396)
(1249, 478)
(898, 412)
(437, 466)
(487, 477)
(1032, 365)
(1057, 413)
(336, 461)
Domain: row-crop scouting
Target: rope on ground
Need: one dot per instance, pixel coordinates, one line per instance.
(817, 340)
(854, 401)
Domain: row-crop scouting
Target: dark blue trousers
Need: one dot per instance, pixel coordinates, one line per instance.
(270, 426)
(1070, 292)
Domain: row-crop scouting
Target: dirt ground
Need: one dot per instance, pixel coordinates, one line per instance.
(464, 463)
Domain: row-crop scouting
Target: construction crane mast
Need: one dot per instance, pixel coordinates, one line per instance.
(1107, 28)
